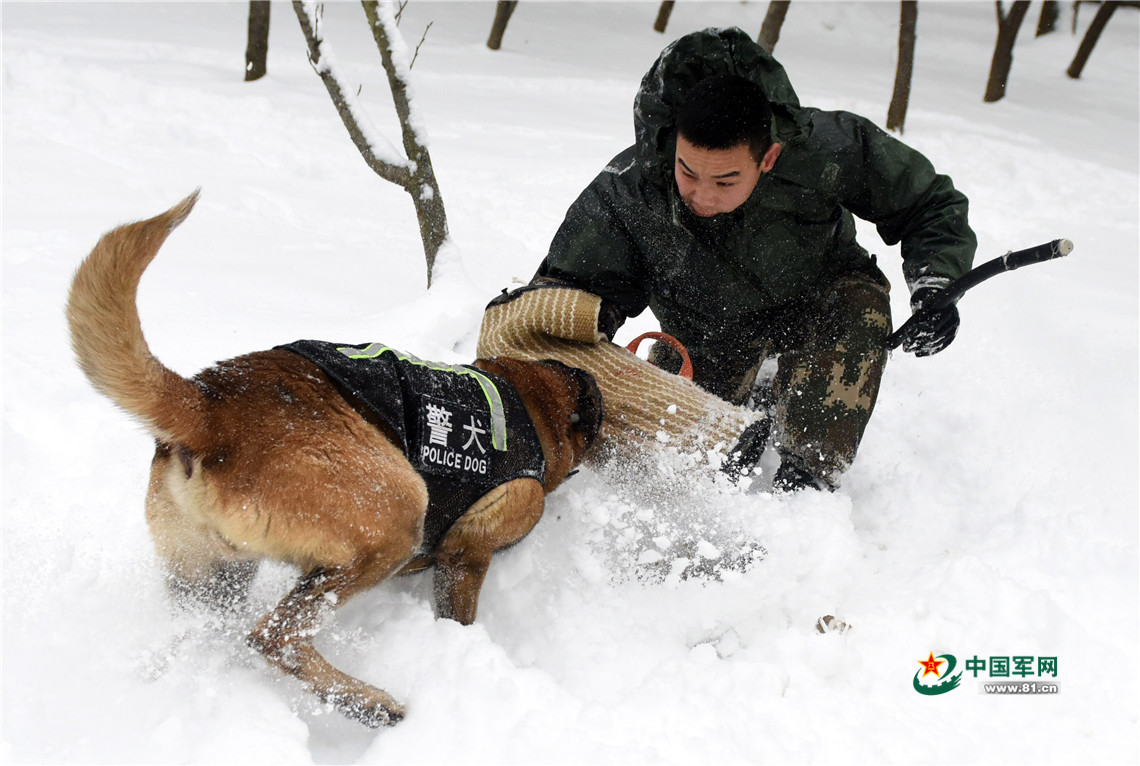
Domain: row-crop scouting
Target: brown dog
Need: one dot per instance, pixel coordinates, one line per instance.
(264, 456)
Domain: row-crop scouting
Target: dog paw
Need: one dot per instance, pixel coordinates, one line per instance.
(373, 715)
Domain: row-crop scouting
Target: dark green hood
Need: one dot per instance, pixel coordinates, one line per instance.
(691, 59)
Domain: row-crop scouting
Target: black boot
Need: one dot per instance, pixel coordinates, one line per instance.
(747, 453)
(793, 475)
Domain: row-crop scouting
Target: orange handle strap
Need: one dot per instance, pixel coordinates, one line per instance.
(686, 364)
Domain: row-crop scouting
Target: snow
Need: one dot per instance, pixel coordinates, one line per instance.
(992, 510)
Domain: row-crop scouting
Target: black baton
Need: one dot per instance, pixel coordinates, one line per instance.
(1008, 262)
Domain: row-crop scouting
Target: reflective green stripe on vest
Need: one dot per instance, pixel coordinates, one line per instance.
(494, 400)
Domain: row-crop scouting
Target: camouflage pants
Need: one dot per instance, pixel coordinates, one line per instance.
(830, 355)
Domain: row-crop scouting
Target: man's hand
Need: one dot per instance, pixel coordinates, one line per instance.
(934, 328)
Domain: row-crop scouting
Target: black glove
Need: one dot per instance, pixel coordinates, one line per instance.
(933, 328)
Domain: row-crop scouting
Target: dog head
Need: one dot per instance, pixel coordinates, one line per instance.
(564, 403)
(586, 419)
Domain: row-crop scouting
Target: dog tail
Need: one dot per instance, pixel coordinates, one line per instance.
(107, 336)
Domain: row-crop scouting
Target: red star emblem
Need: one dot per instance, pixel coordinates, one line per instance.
(930, 665)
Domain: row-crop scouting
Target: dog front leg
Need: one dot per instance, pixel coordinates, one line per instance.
(458, 580)
(497, 520)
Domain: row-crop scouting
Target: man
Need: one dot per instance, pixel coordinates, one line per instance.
(731, 219)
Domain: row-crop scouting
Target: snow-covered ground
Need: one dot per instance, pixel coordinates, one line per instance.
(992, 511)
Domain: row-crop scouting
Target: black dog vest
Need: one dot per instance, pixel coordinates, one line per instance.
(465, 430)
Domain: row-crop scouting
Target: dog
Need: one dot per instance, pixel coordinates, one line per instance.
(267, 456)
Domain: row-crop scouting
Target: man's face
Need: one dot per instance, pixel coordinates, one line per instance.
(715, 181)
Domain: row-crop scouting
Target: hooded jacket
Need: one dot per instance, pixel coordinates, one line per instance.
(630, 239)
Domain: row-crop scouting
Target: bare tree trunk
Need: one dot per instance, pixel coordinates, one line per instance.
(257, 41)
(908, 22)
(414, 174)
(503, 11)
(1088, 42)
(663, 14)
(1047, 21)
(773, 21)
(1008, 27)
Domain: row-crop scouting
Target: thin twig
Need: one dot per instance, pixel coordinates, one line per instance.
(417, 51)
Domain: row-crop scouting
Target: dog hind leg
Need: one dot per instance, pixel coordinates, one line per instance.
(200, 568)
(497, 520)
(223, 586)
(285, 638)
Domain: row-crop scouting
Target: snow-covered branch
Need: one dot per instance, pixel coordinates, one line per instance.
(414, 173)
(378, 152)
